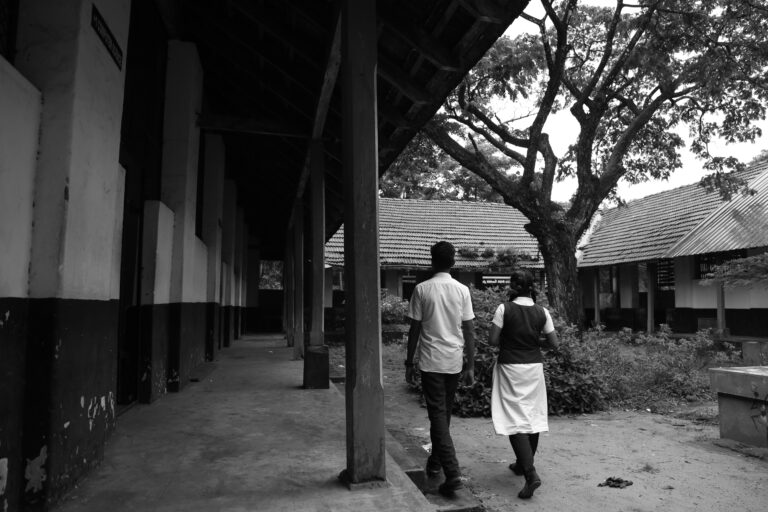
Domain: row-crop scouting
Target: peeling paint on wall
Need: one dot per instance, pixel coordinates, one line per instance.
(34, 473)
(3, 475)
(5, 318)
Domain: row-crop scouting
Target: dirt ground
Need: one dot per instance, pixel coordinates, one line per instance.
(676, 462)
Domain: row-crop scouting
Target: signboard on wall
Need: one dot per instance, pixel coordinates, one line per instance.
(106, 36)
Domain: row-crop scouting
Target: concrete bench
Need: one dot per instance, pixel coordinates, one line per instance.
(742, 399)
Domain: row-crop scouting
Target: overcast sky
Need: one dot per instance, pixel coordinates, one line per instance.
(563, 128)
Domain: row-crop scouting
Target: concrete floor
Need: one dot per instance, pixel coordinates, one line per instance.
(244, 438)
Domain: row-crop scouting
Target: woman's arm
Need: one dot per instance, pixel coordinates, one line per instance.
(493, 336)
(552, 341)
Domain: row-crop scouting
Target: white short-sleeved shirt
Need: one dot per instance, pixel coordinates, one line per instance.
(441, 304)
(498, 317)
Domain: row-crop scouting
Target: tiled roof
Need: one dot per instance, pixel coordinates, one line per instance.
(409, 227)
(647, 228)
(741, 223)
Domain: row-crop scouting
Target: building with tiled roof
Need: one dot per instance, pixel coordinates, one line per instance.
(409, 227)
(672, 239)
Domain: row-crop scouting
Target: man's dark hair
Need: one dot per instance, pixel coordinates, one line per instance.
(521, 284)
(443, 256)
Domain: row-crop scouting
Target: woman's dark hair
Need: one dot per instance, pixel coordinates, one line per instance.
(521, 284)
(443, 256)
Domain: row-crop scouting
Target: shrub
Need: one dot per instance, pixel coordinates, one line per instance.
(393, 309)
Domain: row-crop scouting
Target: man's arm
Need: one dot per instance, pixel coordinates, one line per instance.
(413, 341)
(468, 329)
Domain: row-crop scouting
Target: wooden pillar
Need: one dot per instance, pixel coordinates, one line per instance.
(288, 301)
(722, 330)
(298, 281)
(596, 292)
(316, 369)
(651, 286)
(364, 390)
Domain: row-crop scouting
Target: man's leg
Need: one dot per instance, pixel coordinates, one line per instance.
(434, 387)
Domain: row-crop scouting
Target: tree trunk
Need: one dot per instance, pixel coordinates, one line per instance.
(558, 247)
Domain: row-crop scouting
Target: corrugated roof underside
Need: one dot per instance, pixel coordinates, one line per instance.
(646, 229)
(409, 227)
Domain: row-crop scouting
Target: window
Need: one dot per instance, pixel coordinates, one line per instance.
(271, 275)
(665, 274)
(705, 263)
(9, 15)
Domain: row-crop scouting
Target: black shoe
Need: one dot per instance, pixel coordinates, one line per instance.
(532, 482)
(450, 486)
(516, 469)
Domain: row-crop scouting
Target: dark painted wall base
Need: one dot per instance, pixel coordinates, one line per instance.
(69, 397)
(316, 367)
(155, 335)
(741, 322)
(212, 330)
(14, 322)
(228, 325)
(186, 344)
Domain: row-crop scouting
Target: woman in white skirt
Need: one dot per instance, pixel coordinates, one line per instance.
(519, 398)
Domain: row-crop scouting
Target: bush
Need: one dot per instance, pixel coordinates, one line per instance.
(393, 309)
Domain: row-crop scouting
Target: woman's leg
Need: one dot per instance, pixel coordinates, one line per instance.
(521, 444)
(516, 467)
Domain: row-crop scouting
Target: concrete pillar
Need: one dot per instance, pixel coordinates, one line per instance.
(288, 289)
(69, 248)
(237, 257)
(213, 200)
(183, 99)
(596, 294)
(652, 278)
(156, 263)
(21, 105)
(228, 237)
(722, 329)
(298, 281)
(252, 292)
(181, 143)
(316, 360)
(364, 391)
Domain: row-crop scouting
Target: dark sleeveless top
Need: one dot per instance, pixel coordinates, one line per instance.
(519, 338)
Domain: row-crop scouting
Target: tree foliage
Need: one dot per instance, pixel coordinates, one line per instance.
(424, 171)
(631, 76)
(752, 270)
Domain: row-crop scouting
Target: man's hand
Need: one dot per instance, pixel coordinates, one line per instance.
(468, 378)
(410, 375)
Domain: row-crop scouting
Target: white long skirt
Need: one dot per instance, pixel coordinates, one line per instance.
(519, 399)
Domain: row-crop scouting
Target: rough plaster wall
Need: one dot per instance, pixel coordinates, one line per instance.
(117, 238)
(214, 208)
(77, 179)
(20, 104)
(184, 91)
(157, 249)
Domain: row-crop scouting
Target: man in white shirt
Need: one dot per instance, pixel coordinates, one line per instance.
(442, 326)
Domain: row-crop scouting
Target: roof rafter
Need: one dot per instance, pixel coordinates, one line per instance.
(427, 45)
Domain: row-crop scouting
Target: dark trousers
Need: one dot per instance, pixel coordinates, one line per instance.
(439, 390)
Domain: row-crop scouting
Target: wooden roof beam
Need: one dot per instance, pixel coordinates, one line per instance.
(430, 47)
(401, 81)
(488, 11)
(279, 31)
(333, 63)
(219, 123)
